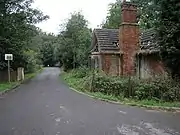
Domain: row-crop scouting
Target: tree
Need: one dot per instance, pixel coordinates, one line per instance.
(47, 48)
(148, 13)
(113, 19)
(168, 33)
(17, 20)
(147, 18)
(48, 54)
(74, 42)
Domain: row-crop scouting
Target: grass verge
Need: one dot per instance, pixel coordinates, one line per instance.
(4, 87)
(76, 84)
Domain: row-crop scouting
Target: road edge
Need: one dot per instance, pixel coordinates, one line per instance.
(160, 108)
(19, 83)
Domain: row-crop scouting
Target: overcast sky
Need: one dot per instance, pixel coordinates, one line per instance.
(94, 11)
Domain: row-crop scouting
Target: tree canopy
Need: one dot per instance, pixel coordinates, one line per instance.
(168, 30)
(74, 42)
(17, 19)
(113, 19)
(147, 18)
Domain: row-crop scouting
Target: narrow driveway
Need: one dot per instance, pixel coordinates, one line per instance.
(46, 106)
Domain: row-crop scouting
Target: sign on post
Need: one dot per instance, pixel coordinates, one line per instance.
(9, 57)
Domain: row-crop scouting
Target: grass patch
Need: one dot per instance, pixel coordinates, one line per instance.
(73, 81)
(155, 103)
(7, 86)
(77, 83)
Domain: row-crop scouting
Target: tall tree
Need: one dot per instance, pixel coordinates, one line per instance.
(113, 19)
(17, 20)
(75, 41)
(168, 33)
(48, 49)
(148, 13)
(147, 18)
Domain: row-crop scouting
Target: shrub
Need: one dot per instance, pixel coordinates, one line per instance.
(145, 90)
(32, 61)
(158, 89)
(109, 85)
(80, 73)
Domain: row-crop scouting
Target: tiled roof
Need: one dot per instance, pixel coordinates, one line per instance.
(148, 40)
(107, 40)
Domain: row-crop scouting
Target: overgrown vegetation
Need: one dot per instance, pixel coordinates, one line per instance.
(157, 91)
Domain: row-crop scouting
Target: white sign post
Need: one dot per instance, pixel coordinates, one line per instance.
(9, 57)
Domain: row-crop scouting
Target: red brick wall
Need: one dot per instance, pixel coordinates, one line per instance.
(157, 67)
(150, 66)
(106, 63)
(111, 64)
(129, 40)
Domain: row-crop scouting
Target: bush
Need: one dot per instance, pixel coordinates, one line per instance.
(167, 89)
(80, 73)
(109, 85)
(31, 61)
(158, 89)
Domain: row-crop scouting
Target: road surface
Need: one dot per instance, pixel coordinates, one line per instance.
(46, 106)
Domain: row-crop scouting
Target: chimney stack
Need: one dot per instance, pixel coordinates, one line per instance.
(128, 37)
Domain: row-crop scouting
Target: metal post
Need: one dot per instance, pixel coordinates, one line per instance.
(9, 74)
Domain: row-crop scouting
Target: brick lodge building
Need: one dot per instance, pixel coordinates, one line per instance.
(127, 51)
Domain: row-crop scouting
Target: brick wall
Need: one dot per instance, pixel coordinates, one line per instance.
(106, 63)
(156, 65)
(129, 37)
(150, 66)
(111, 64)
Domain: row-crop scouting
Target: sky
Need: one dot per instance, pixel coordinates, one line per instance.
(95, 12)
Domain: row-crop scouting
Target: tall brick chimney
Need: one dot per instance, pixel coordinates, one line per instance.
(129, 37)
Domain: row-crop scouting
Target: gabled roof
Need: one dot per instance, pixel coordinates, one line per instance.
(108, 39)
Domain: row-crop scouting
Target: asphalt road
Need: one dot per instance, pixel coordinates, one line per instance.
(46, 106)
